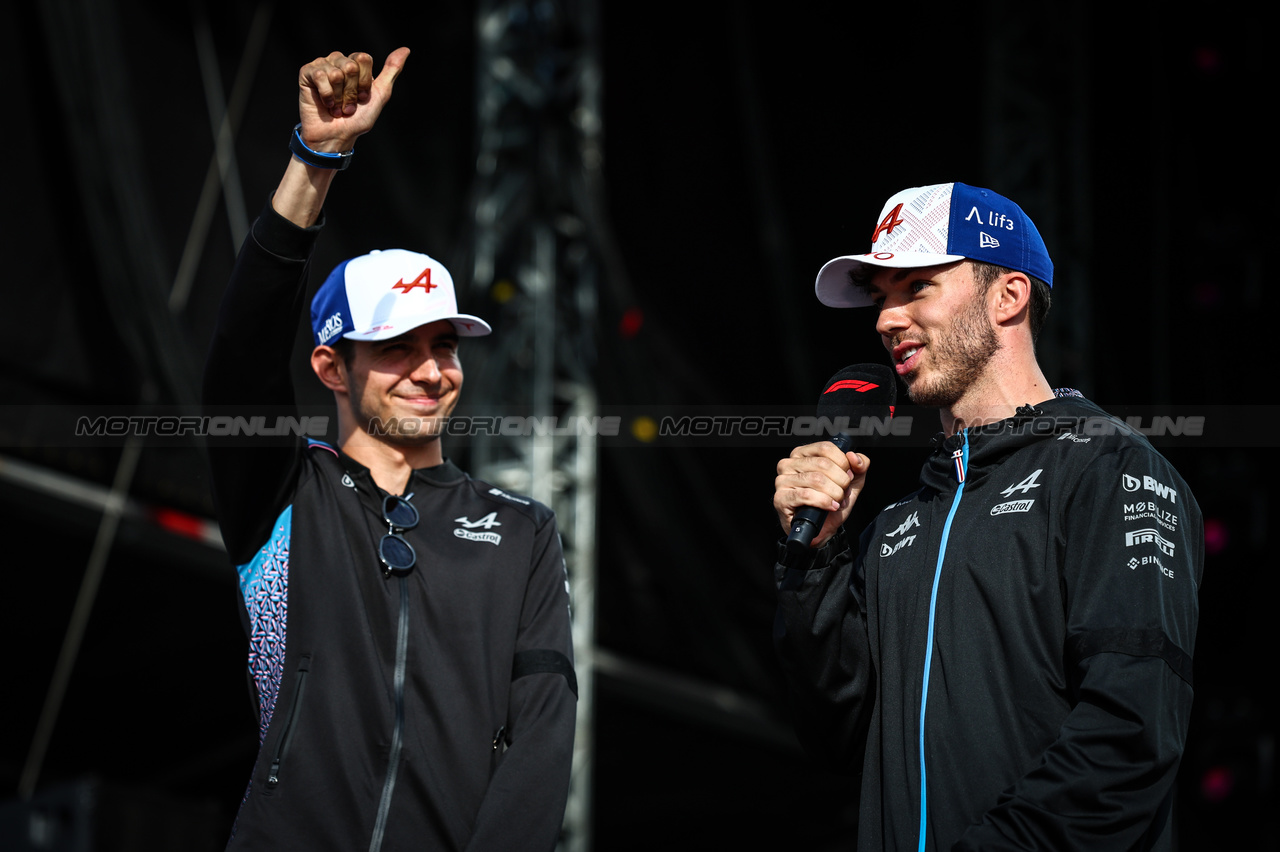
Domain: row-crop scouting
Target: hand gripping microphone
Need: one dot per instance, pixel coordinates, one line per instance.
(857, 391)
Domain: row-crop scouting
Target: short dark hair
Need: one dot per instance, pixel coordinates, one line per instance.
(345, 348)
(860, 277)
(985, 274)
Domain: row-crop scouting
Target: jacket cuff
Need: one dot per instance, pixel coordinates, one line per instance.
(814, 557)
(282, 238)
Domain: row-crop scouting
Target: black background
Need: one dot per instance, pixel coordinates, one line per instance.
(745, 144)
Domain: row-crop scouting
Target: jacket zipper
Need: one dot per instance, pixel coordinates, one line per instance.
(286, 736)
(961, 457)
(397, 734)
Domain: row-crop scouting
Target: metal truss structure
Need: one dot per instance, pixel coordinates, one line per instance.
(1035, 140)
(535, 189)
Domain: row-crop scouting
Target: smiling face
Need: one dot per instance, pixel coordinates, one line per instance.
(937, 327)
(401, 390)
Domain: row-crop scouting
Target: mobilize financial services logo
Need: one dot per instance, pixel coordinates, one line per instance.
(1148, 510)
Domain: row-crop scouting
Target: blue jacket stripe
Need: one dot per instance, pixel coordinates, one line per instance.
(928, 653)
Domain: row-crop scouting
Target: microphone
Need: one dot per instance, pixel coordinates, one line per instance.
(857, 391)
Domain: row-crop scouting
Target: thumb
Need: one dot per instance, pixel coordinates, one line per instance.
(391, 68)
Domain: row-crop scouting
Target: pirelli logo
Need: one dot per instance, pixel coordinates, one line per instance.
(1149, 536)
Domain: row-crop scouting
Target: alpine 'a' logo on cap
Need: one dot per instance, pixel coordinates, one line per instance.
(888, 223)
(423, 280)
(852, 384)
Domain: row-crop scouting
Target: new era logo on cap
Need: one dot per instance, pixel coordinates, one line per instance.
(933, 225)
(387, 293)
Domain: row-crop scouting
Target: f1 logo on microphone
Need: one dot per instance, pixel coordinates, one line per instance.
(852, 384)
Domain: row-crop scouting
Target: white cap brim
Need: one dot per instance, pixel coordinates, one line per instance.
(835, 290)
(465, 324)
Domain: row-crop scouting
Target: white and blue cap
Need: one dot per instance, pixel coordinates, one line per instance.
(933, 225)
(386, 293)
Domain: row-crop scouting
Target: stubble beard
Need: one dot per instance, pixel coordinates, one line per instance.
(959, 355)
(398, 429)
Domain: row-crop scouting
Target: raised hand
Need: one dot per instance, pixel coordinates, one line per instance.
(339, 99)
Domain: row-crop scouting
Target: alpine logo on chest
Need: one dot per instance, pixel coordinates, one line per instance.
(468, 529)
(912, 521)
(1024, 487)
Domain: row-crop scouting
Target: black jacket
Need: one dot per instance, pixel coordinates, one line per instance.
(431, 711)
(1047, 608)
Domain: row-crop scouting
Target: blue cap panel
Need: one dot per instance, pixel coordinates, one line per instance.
(330, 311)
(988, 227)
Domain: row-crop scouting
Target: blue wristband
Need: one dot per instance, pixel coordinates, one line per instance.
(319, 159)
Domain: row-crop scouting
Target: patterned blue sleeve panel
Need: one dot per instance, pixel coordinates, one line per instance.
(264, 585)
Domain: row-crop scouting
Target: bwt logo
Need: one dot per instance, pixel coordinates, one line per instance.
(1149, 483)
(1149, 536)
(886, 550)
